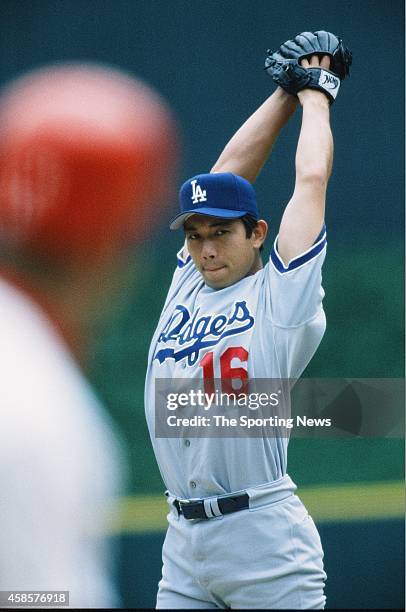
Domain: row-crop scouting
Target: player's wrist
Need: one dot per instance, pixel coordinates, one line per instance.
(313, 97)
(285, 98)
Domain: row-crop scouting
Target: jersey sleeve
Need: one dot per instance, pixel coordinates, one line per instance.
(294, 305)
(295, 290)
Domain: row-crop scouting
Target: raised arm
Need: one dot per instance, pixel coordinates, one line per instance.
(304, 215)
(249, 148)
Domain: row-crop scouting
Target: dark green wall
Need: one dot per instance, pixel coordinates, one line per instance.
(206, 56)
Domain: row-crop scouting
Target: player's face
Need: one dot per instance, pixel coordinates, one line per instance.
(221, 250)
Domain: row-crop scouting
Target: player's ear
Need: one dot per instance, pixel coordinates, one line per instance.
(259, 233)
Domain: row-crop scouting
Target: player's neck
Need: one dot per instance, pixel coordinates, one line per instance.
(257, 265)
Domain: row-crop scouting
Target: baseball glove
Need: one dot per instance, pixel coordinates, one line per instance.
(284, 66)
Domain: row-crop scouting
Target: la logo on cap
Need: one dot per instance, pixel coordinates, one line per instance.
(198, 194)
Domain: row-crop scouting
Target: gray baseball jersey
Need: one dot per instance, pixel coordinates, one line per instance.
(270, 324)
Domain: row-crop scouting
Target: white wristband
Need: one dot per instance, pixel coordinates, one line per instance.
(329, 82)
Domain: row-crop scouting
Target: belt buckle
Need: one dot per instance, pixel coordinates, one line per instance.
(183, 502)
(196, 504)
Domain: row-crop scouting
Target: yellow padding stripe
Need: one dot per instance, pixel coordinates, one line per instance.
(346, 502)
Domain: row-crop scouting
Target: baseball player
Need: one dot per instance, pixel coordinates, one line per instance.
(74, 143)
(238, 536)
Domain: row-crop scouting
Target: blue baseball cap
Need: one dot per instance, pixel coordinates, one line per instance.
(221, 194)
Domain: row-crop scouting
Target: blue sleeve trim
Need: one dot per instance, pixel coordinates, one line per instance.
(295, 263)
(183, 257)
(321, 235)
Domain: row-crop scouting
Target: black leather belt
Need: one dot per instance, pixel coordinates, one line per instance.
(211, 507)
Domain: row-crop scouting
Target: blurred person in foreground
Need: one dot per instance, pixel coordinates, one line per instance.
(86, 159)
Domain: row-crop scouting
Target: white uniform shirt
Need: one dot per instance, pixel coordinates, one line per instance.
(276, 317)
(60, 463)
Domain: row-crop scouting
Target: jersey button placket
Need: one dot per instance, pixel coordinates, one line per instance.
(187, 443)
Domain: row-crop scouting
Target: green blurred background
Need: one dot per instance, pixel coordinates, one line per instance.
(206, 58)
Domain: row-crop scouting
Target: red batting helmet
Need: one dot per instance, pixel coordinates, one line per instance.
(87, 155)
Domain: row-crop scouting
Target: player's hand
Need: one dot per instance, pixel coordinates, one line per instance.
(313, 61)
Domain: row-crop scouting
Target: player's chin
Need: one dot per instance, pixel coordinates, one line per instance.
(219, 278)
